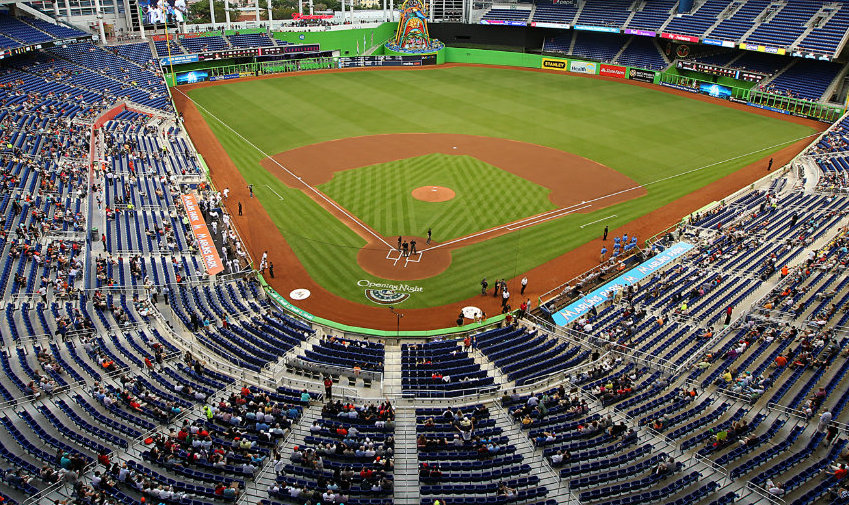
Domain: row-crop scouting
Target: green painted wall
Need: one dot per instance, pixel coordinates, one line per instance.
(487, 57)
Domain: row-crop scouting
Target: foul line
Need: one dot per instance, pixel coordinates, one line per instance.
(275, 192)
(314, 190)
(555, 216)
(597, 220)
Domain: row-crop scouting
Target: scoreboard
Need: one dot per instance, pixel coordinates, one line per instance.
(257, 51)
(743, 75)
(387, 61)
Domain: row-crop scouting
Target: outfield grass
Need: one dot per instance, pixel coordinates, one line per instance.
(647, 134)
(485, 196)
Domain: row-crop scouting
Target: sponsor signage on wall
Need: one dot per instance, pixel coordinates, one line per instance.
(612, 71)
(540, 24)
(583, 67)
(717, 42)
(636, 74)
(209, 254)
(763, 49)
(554, 64)
(506, 22)
(591, 28)
(178, 59)
(641, 33)
(679, 37)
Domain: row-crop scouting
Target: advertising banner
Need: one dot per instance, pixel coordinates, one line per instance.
(717, 42)
(211, 260)
(194, 76)
(763, 49)
(505, 22)
(715, 90)
(178, 59)
(583, 67)
(636, 74)
(600, 295)
(680, 37)
(612, 71)
(591, 28)
(641, 33)
(554, 64)
(689, 89)
(541, 24)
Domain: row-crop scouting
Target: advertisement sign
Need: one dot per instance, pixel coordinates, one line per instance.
(715, 90)
(763, 49)
(554, 64)
(641, 33)
(211, 260)
(600, 295)
(224, 77)
(583, 67)
(591, 28)
(636, 74)
(541, 24)
(612, 71)
(194, 76)
(717, 42)
(689, 89)
(178, 59)
(679, 37)
(811, 56)
(295, 15)
(505, 22)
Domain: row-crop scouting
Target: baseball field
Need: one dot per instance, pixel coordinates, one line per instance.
(529, 165)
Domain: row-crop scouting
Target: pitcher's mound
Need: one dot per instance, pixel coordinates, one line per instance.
(433, 194)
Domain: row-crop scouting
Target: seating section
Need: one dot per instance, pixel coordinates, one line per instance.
(350, 354)
(596, 46)
(698, 22)
(807, 79)
(250, 40)
(347, 456)
(511, 16)
(441, 369)
(610, 13)
(203, 44)
(642, 52)
(653, 15)
(464, 456)
(560, 13)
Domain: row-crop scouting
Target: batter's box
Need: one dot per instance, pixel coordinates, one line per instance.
(394, 255)
(409, 259)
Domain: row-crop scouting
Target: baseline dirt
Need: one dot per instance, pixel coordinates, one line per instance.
(255, 223)
(433, 194)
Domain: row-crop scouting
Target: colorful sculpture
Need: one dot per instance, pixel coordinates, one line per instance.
(412, 35)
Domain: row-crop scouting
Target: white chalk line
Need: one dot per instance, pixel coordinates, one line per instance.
(554, 216)
(275, 192)
(314, 190)
(598, 220)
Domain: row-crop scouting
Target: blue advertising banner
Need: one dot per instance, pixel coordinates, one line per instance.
(593, 28)
(179, 59)
(577, 309)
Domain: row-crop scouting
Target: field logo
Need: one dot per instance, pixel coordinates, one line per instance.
(636, 74)
(582, 67)
(612, 71)
(554, 64)
(385, 296)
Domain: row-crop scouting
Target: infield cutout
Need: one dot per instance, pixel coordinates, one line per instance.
(433, 194)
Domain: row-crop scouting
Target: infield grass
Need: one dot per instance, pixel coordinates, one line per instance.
(651, 136)
(484, 195)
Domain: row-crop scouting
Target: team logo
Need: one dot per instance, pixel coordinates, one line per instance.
(385, 296)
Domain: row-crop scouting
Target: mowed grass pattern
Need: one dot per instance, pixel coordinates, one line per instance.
(485, 196)
(646, 134)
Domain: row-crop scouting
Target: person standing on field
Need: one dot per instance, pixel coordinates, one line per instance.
(604, 237)
(524, 285)
(428, 236)
(484, 285)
